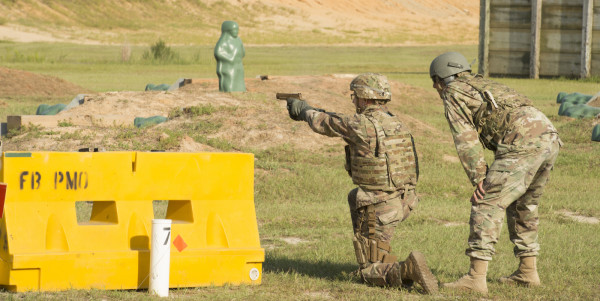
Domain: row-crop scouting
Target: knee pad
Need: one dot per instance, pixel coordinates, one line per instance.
(372, 251)
(361, 249)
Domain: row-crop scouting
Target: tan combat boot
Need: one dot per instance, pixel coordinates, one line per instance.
(474, 280)
(525, 275)
(393, 277)
(414, 268)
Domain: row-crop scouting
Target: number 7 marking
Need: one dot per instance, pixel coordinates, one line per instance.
(168, 235)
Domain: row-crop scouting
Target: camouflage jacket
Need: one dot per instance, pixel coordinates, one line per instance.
(521, 126)
(360, 135)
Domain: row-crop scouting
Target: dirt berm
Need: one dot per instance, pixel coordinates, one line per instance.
(248, 120)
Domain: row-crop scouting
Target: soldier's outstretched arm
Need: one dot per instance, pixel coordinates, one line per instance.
(333, 124)
(320, 121)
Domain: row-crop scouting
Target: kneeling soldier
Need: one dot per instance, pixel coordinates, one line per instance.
(382, 161)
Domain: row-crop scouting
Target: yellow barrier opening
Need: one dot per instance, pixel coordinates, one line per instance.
(46, 245)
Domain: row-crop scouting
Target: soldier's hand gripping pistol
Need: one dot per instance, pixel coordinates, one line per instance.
(296, 106)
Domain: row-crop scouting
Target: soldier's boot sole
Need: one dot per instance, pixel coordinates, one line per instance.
(423, 276)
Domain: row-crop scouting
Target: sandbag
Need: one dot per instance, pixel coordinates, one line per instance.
(153, 87)
(575, 105)
(180, 83)
(164, 87)
(76, 101)
(142, 122)
(45, 109)
(578, 111)
(596, 133)
(574, 98)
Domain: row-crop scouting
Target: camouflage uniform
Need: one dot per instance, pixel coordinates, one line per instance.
(482, 113)
(379, 203)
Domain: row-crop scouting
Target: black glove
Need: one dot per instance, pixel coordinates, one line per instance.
(297, 108)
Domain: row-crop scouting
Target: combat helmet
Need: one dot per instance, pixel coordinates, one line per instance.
(371, 86)
(446, 65)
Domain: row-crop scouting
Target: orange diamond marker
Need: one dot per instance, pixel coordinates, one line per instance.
(179, 243)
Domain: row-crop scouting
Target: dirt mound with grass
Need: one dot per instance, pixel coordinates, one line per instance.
(15, 83)
(252, 120)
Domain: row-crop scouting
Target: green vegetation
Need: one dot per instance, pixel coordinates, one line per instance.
(302, 194)
(65, 123)
(193, 111)
(159, 52)
(101, 68)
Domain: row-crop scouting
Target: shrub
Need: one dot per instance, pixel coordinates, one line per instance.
(160, 52)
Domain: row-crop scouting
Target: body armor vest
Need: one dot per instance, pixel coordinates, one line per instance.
(492, 120)
(392, 161)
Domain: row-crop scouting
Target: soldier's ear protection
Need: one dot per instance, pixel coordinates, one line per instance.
(449, 79)
(446, 80)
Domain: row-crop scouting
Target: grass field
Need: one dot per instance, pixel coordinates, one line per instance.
(302, 195)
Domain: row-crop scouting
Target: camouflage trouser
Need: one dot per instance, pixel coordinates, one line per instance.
(514, 183)
(374, 226)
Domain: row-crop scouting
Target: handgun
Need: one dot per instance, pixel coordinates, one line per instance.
(285, 96)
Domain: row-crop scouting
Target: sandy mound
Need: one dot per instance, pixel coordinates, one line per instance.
(374, 22)
(250, 120)
(415, 16)
(595, 101)
(22, 83)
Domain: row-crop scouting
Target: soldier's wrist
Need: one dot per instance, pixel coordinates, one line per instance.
(303, 114)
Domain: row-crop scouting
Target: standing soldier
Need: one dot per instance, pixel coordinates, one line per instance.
(485, 114)
(382, 161)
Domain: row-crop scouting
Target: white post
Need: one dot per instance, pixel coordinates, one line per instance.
(536, 33)
(586, 40)
(160, 257)
(484, 38)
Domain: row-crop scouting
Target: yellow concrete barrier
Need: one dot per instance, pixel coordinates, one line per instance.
(210, 200)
